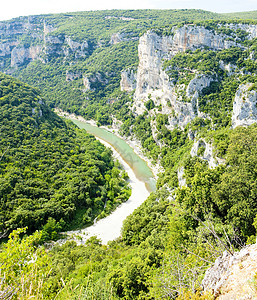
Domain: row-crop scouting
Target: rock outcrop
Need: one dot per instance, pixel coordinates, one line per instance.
(233, 276)
(204, 150)
(128, 80)
(152, 81)
(44, 44)
(70, 46)
(193, 37)
(180, 102)
(116, 38)
(86, 83)
(229, 68)
(181, 179)
(121, 37)
(244, 106)
(20, 54)
(90, 81)
(251, 29)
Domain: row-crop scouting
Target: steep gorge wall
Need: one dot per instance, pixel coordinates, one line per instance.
(30, 38)
(152, 82)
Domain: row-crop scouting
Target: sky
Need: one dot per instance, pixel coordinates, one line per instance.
(16, 8)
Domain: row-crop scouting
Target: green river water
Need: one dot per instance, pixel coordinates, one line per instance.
(138, 165)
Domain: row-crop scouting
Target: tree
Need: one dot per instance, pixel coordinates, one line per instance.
(24, 267)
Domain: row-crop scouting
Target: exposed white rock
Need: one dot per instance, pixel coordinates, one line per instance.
(251, 29)
(5, 49)
(193, 37)
(128, 80)
(80, 49)
(153, 82)
(47, 28)
(244, 106)
(75, 45)
(195, 87)
(197, 84)
(20, 54)
(155, 132)
(151, 50)
(88, 79)
(86, 83)
(122, 36)
(34, 52)
(116, 38)
(181, 115)
(232, 276)
(204, 150)
(121, 18)
(51, 39)
(229, 68)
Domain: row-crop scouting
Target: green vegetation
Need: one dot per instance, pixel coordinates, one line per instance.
(55, 177)
(99, 60)
(50, 170)
(167, 244)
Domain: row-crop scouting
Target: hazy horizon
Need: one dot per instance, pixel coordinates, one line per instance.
(16, 8)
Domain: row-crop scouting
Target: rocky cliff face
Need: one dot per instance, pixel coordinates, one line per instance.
(154, 82)
(205, 151)
(244, 106)
(233, 276)
(193, 37)
(181, 102)
(128, 80)
(20, 55)
(43, 44)
(152, 79)
(70, 76)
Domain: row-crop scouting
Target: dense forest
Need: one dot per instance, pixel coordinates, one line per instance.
(51, 172)
(55, 177)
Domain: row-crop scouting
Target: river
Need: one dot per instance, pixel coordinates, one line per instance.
(141, 180)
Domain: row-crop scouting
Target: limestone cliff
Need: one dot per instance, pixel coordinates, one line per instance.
(154, 82)
(121, 37)
(128, 80)
(233, 276)
(70, 76)
(152, 79)
(20, 54)
(205, 151)
(193, 37)
(244, 106)
(42, 43)
(180, 102)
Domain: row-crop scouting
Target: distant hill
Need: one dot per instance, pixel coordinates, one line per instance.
(249, 15)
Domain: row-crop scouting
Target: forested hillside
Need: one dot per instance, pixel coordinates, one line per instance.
(183, 85)
(50, 170)
(76, 59)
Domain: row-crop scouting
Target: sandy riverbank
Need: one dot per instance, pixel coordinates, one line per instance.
(134, 144)
(109, 228)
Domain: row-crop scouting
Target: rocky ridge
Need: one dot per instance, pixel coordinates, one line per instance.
(43, 43)
(153, 82)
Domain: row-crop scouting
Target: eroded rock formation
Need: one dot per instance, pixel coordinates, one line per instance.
(244, 106)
